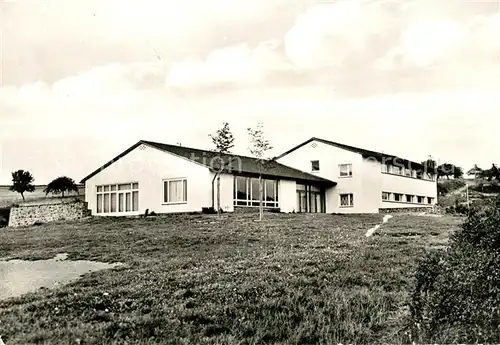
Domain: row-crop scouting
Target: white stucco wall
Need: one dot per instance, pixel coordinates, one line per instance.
(226, 191)
(149, 167)
(287, 194)
(406, 185)
(330, 157)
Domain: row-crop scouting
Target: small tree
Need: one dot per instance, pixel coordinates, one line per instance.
(22, 181)
(224, 142)
(430, 166)
(61, 185)
(458, 172)
(259, 145)
(223, 139)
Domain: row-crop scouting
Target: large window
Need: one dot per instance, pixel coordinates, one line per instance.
(175, 191)
(246, 192)
(118, 198)
(345, 170)
(346, 200)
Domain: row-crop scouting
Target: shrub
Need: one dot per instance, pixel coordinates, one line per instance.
(490, 188)
(456, 293)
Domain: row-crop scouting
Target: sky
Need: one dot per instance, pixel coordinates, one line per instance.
(83, 80)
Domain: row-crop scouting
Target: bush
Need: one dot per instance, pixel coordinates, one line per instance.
(490, 188)
(456, 293)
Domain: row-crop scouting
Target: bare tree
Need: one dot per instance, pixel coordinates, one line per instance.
(259, 146)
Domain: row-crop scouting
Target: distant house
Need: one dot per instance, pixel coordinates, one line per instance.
(367, 181)
(315, 176)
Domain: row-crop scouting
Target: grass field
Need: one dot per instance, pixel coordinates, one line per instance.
(291, 279)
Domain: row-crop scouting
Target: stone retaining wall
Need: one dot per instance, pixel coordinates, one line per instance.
(29, 214)
(428, 209)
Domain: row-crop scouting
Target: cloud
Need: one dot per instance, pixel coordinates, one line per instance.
(325, 35)
(235, 65)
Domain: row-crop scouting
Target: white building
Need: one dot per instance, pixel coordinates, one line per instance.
(315, 176)
(367, 181)
(173, 179)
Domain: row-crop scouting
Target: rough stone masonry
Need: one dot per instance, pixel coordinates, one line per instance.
(29, 214)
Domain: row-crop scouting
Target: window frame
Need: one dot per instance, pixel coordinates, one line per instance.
(250, 201)
(349, 170)
(313, 164)
(166, 195)
(388, 196)
(105, 192)
(397, 195)
(350, 200)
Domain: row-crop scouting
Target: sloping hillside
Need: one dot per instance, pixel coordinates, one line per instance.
(454, 192)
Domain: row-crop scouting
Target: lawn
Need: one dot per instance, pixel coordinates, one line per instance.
(290, 279)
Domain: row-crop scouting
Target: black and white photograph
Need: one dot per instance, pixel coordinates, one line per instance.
(249, 172)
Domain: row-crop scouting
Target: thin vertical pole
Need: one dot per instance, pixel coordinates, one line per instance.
(218, 195)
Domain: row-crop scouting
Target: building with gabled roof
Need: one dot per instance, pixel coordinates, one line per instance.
(169, 179)
(316, 176)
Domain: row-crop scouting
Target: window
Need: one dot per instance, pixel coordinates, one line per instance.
(398, 197)
(397, 170)
(175, 191)
(345, 170)
(386, 168)
(314, 165)
(246, 192)
(118, 198)
(346, 200)
(409, 198)
(430, 200)
(420, 199)
(407, 172)
(386, 196)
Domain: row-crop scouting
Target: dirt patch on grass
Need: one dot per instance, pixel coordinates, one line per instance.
(18, 277)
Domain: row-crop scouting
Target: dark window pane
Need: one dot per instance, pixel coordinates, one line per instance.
(270, 190)
(165, 191)
(99, 203)
(128, 203)
(135, 201)
(315, 165)
(113, 202)
(106, 203)
(241, 188)
(255, 188)
(121, 204)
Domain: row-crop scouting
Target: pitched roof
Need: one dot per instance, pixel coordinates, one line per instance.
(228, 163)
(365, 153)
